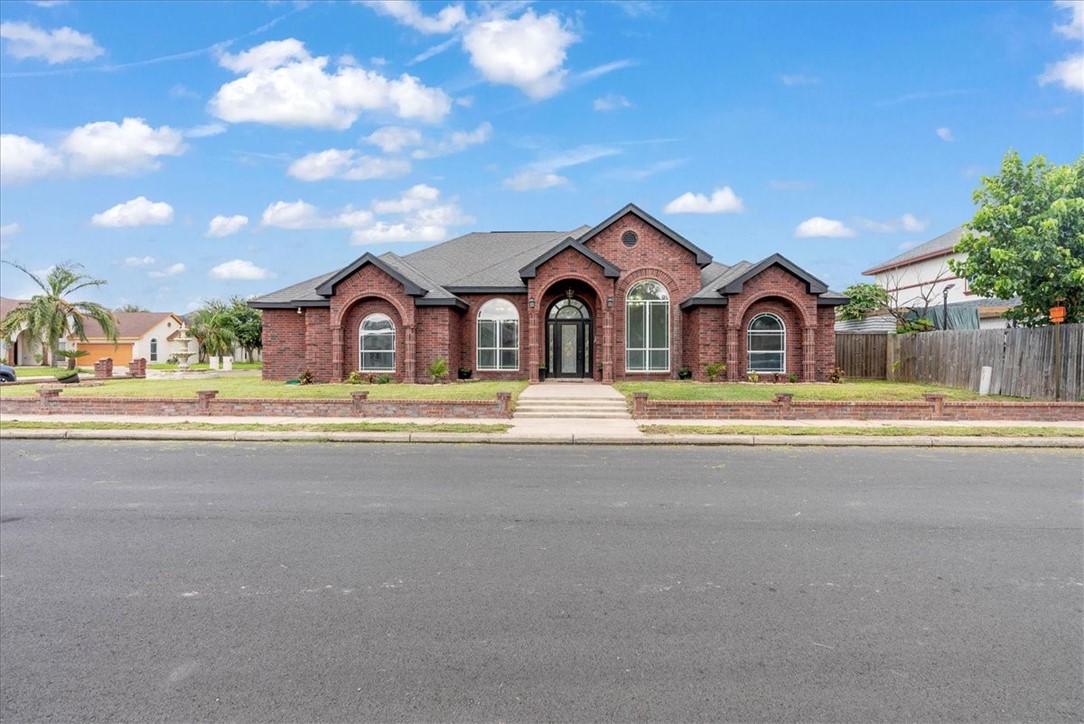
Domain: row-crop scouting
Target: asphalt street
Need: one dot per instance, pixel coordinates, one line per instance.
(321, 582)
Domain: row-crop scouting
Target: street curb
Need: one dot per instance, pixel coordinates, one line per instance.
(506, 439)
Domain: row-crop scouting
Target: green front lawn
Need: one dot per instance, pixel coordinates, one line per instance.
(233, 387)
(872, 390)
(39, 371)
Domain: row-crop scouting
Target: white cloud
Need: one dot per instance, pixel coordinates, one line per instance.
(820, 226)
(53, 46)
(945, 134)
(799, 79)
(600, 70)
(391, 139)
(137, 212)
(286, 86)
(138, 261)
(127, 148)
(1074, 28)
(9, 230)
(528, 53)
(383, 232)
(170, 271)
(1068, 72)
(345, 164)
(409, 13)
(611, 102)
(240, 270)
(906, 222)
(412, 199)
(301, 215)
(456, 142)
(722, 201)
(222, 226)
(206, 130)
(22, 159)
(534, 180)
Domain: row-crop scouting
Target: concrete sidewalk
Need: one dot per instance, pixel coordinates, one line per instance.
(538, 431)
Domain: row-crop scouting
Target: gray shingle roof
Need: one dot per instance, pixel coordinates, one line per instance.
(943, 243)
(298, 295)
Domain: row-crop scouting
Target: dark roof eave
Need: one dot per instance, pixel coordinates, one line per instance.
(530, 271)
(702, 257)
(257, 304)
(704, 302)
(442, 302)
(487, 290)
(832, 301)
(813, 284)
(411, 288)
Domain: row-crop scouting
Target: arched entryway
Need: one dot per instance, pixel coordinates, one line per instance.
(570, 339)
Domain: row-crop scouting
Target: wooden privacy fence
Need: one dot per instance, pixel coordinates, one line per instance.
(1022, 360)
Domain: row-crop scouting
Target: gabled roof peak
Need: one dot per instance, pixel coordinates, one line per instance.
(702, 257)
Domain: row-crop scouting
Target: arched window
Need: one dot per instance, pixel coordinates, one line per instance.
(767, 344)
(377, 343)
(498, 336)
(154, 349)
(647, 328)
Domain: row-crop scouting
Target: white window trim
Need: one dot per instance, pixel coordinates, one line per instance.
(498, 349)
(647, 329)
(749, 330)
(361, 344)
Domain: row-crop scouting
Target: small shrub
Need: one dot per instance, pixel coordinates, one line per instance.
(354, 378)
(684, 373)
(305, 377)
(437, 369)
(382, 379)
(836, 375)
(792, 378)
(754, 377)
(714, 369)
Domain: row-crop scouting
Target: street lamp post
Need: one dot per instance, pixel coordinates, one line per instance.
(944, 303)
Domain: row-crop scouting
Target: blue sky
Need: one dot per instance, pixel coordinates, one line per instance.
(204, 149)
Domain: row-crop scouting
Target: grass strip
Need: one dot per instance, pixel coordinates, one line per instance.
(850, 391)
(969, 431)
(455, 427)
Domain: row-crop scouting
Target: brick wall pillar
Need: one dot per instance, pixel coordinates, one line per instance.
(46, 397)
(733, 336)
(639, 404)
(534, 358)
(783, 399)
(937, 401)
(103, 368)
(358, 402)
(410, 362)
(137, 368)
(504, 403)
(205, 397)
(337, 371)
(608, 346)
(809, 354)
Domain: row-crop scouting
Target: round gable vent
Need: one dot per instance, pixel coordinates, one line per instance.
(629, 238)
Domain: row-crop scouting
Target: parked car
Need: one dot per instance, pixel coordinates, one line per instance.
(7, 374)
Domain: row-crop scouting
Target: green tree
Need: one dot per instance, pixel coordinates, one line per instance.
(212, 327)
(1027, 239)
(247, 325)
(52, 315)
(131, 308)
(865, 299)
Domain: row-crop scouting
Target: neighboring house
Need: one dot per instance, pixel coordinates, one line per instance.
(627, 299)
(150, 335)
(20, 349)
(919, 277)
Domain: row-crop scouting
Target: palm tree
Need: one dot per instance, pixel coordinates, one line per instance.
(51, 316)
(212, 327)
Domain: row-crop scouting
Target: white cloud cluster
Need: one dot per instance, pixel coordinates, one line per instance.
(53, 46)
(423, 217)
(906, 222)
(945, 134)
(456, 141)
(298, 215)
(286, 86)
(392, 139)
(611, 102)
(346, 164)
(527, 52)
(414, 198)
(1068, 72)
(104, 147)
(138, 261)
(722, 201)
(240, 270)
(818, 226)
(1074, 28)
(409, 13)
(139, 211)
(170, 271)
(543, 174)
(223, 226)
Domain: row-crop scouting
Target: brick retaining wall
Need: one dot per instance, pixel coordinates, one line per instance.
(51, 402)
(934, 407)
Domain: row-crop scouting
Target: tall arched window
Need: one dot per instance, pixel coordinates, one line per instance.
(377, 344)
(647, 328)
(766, 344)
(154, 349)
(498, 336)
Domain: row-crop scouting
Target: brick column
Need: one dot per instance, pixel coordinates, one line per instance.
(337, 371)
(809, 354)
(103, 368)
(533, 356)
(783, 399)
(136, 368)
(411, 352)
(639, 405)
(358, 399)
(504, 403)
(205, 397)
(733, 336)
(47, 397)
(937, 401)
(608, 347)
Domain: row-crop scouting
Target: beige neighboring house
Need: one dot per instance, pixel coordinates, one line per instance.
(150, 335)
(20, 349)
(920, 278)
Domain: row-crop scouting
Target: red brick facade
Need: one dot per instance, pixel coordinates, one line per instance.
(325, 339)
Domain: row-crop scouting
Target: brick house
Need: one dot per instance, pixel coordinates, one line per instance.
(627, 299)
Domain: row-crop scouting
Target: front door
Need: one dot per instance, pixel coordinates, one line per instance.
(568, 339)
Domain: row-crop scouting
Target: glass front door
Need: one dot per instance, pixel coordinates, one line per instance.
(568, 339)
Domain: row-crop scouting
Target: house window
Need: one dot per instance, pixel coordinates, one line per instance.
(377, 353)
(767, 344)
(498, 336)
(647, 328)
(154, 349)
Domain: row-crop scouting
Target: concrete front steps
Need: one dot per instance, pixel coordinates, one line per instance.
(566, 407)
